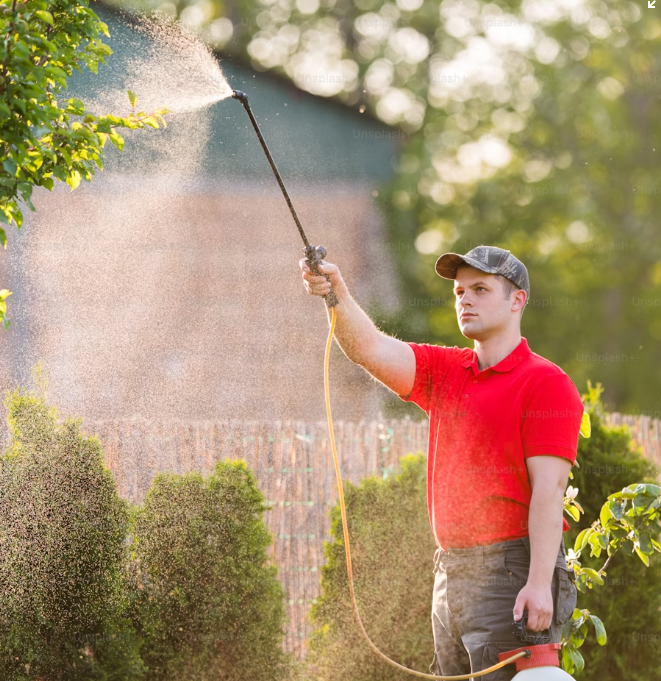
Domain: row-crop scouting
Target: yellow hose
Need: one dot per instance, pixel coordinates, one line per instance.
(348, 550)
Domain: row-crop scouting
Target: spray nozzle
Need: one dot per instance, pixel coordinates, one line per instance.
(241, 96)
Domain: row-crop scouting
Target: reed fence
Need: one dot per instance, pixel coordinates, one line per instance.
(293, 464)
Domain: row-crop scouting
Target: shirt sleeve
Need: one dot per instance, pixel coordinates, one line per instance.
(431, 364)
(552, 419)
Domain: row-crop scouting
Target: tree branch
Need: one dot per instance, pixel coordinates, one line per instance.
(44, 58)
(605, 565)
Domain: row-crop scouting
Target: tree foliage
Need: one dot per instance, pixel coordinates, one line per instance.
(44, 136)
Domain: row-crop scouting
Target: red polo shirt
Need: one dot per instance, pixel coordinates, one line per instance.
(483, 425)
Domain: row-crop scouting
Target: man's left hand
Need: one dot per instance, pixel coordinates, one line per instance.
(538, 601)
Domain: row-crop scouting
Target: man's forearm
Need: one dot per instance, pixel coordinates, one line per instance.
(354, 330)
(545, 530)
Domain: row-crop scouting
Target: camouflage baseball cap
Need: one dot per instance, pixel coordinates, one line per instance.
(489, 259)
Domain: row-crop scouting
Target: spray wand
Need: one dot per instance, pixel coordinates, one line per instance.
(314, 256)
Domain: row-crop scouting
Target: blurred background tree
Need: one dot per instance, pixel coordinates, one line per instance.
(528, 125)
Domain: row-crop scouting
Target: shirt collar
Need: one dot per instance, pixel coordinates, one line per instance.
(520, 352)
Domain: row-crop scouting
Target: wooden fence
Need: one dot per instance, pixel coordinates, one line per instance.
(294, 468)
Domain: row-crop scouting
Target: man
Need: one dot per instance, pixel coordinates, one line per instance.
(504, 428)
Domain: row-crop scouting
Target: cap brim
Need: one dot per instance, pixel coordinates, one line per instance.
(447, 264)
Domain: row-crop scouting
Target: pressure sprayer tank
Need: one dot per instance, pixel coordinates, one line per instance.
(542, 665)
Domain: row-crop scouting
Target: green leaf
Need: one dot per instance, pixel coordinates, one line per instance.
(593, 575)
(595, 543)
(3, 238)
(640, 502)
(116, 139)
(585, 428)
(582, 539)
(605, 514)
(642, 556)
(573, 512)
(624, 494)
(73, 180)
(645, 542)
(5, 322)
(150, 121)
(617, 508)
(4, 294)
(60, 173)
(9, 165)
(575, 659)
(76, 107)
(45, 16)
(599, 630)
(132, 98)
(654, 504)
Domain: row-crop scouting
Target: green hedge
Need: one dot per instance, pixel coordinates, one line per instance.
(392, 549)
(62, 554)
(210, 605)
(178, 588)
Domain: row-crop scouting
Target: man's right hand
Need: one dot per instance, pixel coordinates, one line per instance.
(319, 285)
(388, 359)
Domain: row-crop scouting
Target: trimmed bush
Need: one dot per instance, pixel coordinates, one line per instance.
(209, 604)
(392, 551)
(62, 554)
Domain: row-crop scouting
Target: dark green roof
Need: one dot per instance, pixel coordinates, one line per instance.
(310, 137)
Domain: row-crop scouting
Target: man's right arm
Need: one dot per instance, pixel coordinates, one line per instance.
(389, 360)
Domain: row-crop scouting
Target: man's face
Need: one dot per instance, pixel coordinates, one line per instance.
(482, 309)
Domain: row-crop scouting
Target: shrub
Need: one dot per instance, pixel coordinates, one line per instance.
(392, 550)
(62, 554)
(630, 599)
(209, 605)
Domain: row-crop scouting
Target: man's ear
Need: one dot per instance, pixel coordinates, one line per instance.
(519, 301)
